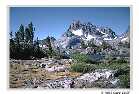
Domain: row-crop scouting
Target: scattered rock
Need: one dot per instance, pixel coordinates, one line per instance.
(26, 77)
(102, 78)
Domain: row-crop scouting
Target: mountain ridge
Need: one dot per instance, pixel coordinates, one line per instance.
(88, 32)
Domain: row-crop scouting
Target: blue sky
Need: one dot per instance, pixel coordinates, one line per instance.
(54, 21)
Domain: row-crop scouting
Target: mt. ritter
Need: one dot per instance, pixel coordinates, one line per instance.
(87, 32)
(92, 40)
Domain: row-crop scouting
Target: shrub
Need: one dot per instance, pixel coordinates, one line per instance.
(81, 58)
(124, 81)
(38, 53)
(123, 70)
(121, 60)
(124, 67)
(82, 67)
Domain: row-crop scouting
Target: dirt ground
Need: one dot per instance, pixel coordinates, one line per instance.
(19, 73)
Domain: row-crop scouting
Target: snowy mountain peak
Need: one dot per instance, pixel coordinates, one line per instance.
(87, 32)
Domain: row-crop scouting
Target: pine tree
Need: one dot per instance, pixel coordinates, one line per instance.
(22, 45)
(105, 45)
(50, 50)
(11, 35)
(21, 31)
(83, 45)
(91, 44)
(12, 46)
(37, 50)
(31, 32)
(17, 39)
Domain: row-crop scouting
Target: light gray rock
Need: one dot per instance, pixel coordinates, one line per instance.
(102, 78)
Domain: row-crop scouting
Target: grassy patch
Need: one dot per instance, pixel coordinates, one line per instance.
(124, 81)
(82, 67)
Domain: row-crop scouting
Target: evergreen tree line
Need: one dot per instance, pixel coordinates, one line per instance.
(23, 45)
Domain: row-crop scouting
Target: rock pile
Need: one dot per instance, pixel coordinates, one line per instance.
(65, 82)
(41, 74)
(55, 65)
(99, 78)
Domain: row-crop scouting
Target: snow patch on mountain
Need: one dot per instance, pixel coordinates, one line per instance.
(124, 39)
(89, 37)
(107, 39)
(102, 32)
(115, 37)
(77, 32)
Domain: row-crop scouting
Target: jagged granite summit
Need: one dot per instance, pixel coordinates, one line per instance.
(78, 32)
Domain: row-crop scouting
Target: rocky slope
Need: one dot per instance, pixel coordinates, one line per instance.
(37, 74)
(86, 32)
